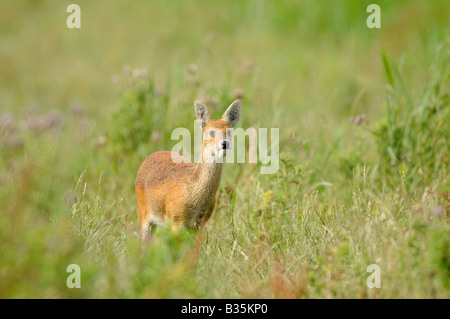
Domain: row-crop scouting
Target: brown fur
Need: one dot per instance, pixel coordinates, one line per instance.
(183, 193)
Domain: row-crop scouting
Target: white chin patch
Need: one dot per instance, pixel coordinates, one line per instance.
(219, 154)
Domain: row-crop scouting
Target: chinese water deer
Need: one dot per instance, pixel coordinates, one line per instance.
(170, 187)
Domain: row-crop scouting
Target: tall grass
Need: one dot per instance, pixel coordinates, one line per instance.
(373, 190)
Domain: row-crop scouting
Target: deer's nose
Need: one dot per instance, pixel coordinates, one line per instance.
(226, 145)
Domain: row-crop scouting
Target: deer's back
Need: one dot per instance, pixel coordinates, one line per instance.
(160, 167)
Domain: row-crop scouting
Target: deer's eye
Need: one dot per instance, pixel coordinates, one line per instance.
(212, 133)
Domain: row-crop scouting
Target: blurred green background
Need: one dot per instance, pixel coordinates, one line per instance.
(363, 117)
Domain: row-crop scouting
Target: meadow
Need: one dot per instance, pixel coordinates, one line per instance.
(363, 116)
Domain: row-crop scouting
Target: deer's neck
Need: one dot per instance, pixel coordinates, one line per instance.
(207, 181)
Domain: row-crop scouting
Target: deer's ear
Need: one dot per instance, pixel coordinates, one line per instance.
(202, 113)
(233, 113)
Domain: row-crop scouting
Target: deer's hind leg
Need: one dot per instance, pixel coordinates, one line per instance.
(143, 226)
(144, 220)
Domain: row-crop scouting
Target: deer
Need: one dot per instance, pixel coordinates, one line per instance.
(171, 188)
